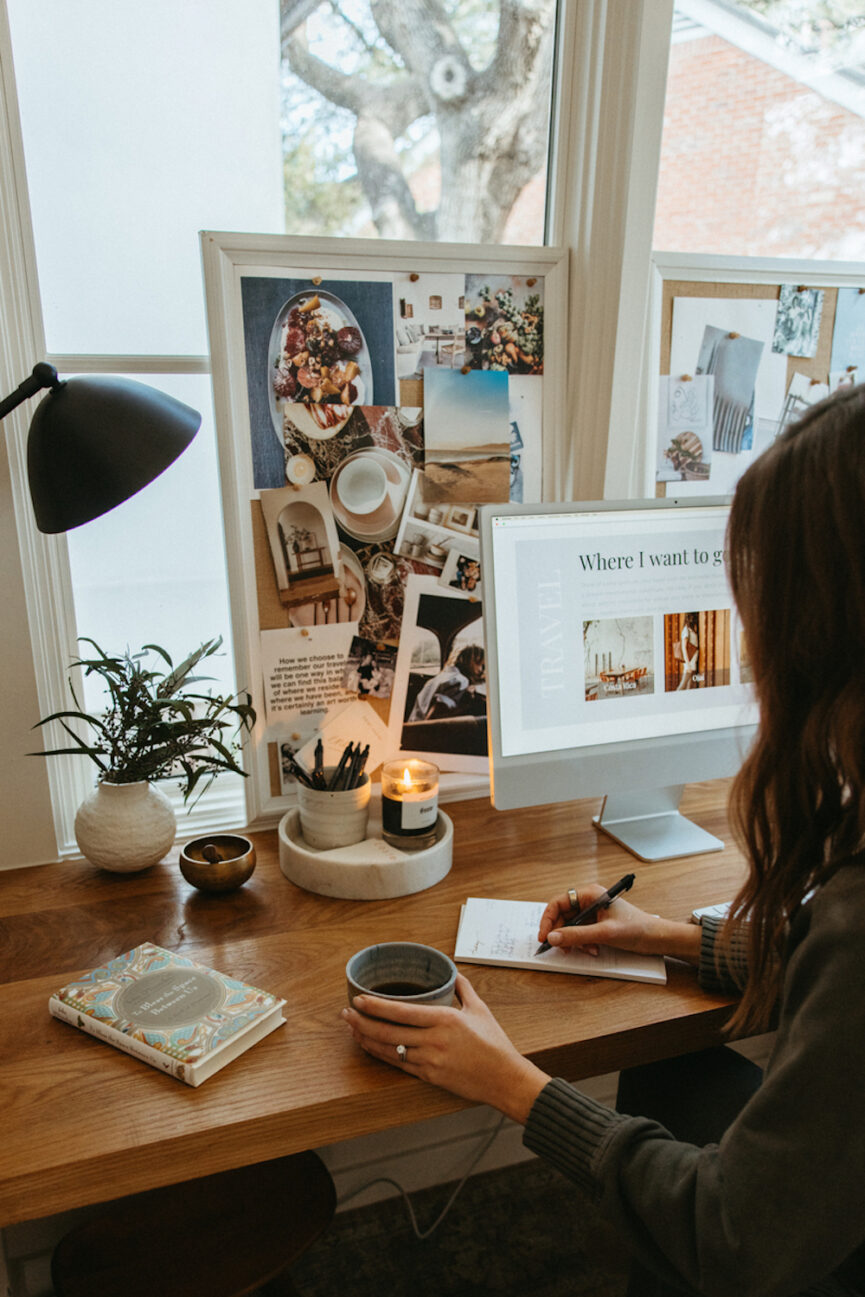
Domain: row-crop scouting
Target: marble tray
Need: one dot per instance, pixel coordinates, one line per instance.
(367, 871)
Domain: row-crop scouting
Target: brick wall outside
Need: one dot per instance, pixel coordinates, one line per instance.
(754, 163)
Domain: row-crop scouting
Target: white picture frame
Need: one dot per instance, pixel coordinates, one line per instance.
(229, 259)
(693, 270)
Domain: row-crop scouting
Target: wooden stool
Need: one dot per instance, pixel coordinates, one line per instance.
(222, 1236)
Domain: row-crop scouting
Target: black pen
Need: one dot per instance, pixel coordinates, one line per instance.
(318, 771)
(600, 904)
(351, 772)
(343, 762)
(299, 773)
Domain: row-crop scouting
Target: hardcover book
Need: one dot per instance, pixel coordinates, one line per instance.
(506, 932)
(177, 1015)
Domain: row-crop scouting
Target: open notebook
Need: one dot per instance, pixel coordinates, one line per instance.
(506, 932)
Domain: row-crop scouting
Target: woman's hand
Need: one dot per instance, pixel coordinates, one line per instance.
(463, 1050)
(621, 924)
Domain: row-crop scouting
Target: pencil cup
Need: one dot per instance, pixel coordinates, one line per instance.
(333, 819)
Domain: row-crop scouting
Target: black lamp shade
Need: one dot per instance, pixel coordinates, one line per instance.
(95, 441)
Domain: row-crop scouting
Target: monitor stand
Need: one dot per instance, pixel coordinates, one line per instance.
(648, 824)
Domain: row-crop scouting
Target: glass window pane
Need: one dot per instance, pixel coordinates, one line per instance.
(143, 124)
(153, 569)
(764, 131)
(417, 120)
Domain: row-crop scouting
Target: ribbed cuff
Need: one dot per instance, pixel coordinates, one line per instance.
(730, 973)
(569, 1130)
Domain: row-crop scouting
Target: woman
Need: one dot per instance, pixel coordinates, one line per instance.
(689, 642)
(447, 693)
(778, 1205)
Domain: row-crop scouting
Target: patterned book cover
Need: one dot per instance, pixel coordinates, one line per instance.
(169, 1010)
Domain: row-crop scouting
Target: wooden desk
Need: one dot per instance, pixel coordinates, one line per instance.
(82, 1122)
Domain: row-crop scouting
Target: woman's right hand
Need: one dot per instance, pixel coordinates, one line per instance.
(621, 924)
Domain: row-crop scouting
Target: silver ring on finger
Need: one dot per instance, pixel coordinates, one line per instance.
(573, 899)
(401, 1052)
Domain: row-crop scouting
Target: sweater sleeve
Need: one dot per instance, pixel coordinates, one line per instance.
(722, 967)
(780, 1202)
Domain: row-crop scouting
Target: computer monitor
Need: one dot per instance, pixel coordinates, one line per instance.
(616, 667)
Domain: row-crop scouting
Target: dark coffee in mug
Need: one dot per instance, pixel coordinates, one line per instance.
(400, 988)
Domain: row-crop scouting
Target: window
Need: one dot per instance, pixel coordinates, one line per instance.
(120, 181)
(764, 130)
(142, 125)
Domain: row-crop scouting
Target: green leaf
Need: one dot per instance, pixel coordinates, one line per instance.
(75, 716)
(154, 726)
(171, 682)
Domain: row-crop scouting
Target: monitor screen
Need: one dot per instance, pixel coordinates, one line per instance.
(615, 663)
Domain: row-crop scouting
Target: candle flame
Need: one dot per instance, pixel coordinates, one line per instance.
(406, 779)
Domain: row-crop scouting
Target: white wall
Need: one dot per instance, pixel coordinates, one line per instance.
(417, 294)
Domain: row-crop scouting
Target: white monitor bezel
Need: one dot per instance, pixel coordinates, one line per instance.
(542, 778)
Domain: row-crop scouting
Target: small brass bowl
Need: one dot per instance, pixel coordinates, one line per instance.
(220, 862)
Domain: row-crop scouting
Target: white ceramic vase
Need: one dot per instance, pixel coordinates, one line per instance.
(125, 827)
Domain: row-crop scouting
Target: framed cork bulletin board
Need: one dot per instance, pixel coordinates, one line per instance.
(738, 349)
(369, 396)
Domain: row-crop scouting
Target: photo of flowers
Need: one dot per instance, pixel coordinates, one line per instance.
(505, 323)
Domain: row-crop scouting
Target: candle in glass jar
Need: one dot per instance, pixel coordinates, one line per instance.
(409, 803)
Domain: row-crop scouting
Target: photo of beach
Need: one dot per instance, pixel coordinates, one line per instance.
(467, 434)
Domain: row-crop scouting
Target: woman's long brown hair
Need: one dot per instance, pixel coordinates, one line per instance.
(796, 540)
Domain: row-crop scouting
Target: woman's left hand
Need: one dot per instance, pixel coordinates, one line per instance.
(463, 1050)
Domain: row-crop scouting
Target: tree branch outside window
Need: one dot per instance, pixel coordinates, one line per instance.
(424, 119)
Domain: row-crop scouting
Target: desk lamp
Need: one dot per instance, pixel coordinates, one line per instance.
(95, 441)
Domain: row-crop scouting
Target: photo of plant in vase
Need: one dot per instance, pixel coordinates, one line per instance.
(155, 726)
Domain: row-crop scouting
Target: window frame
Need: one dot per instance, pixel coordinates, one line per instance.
(606, 118)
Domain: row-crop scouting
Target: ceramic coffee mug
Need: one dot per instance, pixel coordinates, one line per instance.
(362, 485)
(402, 970)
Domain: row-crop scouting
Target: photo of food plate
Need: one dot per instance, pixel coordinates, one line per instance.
(315, 422)
(317, 357)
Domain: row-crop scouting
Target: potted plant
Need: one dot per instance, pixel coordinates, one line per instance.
(156, 726)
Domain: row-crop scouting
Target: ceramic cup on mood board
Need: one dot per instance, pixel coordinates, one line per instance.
(383, 522)
(362, 485)
(402, 970)
(333, 819)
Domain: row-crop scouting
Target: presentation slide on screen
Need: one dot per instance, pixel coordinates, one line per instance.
(624, 628)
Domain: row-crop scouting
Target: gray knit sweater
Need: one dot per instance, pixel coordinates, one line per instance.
(779, 1205)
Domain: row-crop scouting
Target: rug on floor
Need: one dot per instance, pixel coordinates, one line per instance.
(523, 1231)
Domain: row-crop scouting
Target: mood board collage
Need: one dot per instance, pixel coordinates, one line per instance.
(739, 363)
(384, 409)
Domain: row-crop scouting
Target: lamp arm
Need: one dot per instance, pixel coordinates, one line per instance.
(43, 375)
